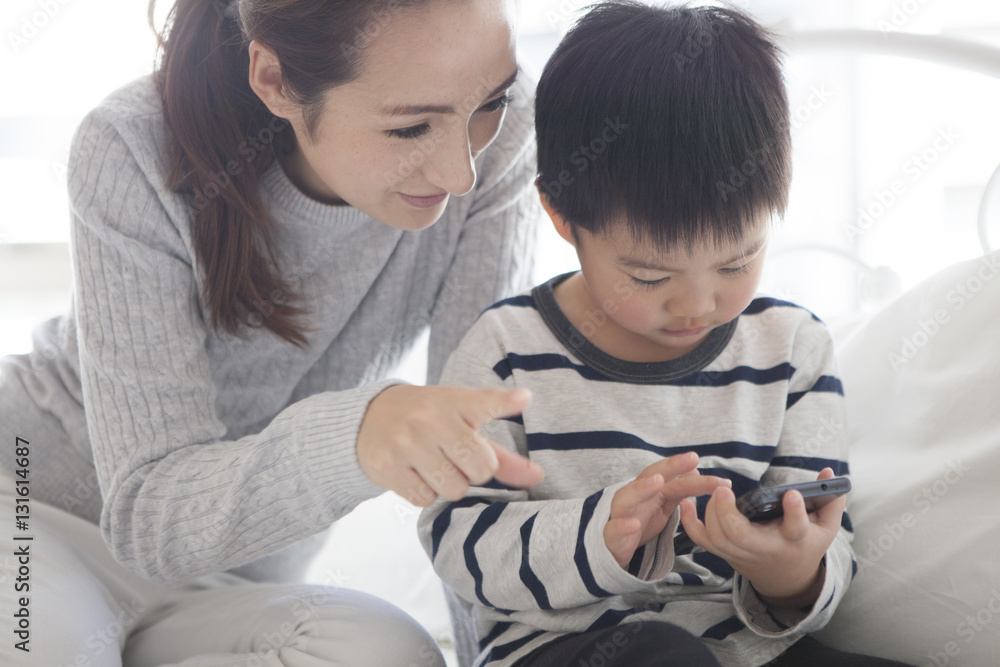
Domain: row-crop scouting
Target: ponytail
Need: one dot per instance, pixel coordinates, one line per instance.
(208, 103)
(224, 137)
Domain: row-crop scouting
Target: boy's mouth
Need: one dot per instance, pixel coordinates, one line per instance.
(684, 333)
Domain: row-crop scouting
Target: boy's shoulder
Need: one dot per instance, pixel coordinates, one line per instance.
(774, 322)
(772, 310)
(512, 324)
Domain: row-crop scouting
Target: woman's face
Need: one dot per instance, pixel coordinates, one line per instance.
(402, 138)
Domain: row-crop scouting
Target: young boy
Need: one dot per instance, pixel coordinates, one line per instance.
(657, 376)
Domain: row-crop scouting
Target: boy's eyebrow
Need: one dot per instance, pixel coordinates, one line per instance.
(642, 264)
(420, 109)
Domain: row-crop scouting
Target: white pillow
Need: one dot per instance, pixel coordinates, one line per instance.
(922, 381)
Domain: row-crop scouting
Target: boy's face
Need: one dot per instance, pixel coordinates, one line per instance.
(662, 305)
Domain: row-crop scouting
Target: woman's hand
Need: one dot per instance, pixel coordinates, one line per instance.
(423, 442)
(782, 558)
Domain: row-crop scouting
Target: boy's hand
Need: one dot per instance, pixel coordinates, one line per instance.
(641, 509)
(781, 558)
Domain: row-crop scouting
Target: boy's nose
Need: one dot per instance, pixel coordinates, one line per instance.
(692, 305)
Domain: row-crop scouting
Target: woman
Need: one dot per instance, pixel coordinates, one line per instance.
(258, 231)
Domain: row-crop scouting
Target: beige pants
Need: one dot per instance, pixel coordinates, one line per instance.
(76, 606)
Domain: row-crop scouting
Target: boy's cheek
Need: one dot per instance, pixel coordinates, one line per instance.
(633, 315)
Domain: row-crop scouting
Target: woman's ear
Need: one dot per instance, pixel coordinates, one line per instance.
(562, 227)
(265, 80)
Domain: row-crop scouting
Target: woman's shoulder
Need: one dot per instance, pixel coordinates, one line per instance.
(134, 99)
(118, 169)
(132, 116)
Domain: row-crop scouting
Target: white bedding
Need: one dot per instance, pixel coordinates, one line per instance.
(922, 380)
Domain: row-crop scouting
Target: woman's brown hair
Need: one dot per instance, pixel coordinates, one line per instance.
(225, 138)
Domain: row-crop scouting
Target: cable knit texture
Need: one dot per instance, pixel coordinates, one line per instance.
(197, 451)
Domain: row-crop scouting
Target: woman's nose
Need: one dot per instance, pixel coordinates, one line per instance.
(451, 166)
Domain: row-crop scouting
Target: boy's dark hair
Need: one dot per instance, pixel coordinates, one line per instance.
(673, 121)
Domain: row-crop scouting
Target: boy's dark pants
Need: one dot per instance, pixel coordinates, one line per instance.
(657, 644)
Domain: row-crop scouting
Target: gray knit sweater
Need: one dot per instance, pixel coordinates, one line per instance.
(198, 452)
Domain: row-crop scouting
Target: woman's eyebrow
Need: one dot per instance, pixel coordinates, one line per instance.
(419, 109)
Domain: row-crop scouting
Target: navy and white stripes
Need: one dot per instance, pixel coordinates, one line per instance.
(761, 404)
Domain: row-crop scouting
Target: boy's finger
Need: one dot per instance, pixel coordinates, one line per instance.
(795, 522)
(673, 466)
(830, 515)
(730, 526)
(687, 486)
(630, 497)
(692, 524)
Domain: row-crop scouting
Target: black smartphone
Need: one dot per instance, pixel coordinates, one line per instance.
(764, 503)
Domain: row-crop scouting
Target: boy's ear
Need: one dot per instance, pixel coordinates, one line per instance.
(562, 227)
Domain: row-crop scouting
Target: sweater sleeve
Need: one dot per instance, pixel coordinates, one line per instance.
(179, 501)
(494, 256)
(499, 549)
(814, 436)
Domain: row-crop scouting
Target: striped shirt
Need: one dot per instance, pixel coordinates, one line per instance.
(760, 402)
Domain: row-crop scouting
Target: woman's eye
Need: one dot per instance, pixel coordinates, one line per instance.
(418, 131)
(497, 104)
(414, 132)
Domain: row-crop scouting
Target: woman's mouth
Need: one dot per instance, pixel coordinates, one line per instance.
(423, 202)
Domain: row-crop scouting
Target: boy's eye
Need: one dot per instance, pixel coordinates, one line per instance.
(737, 270)
(497, 104)
(414, 132)
(647, 284)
